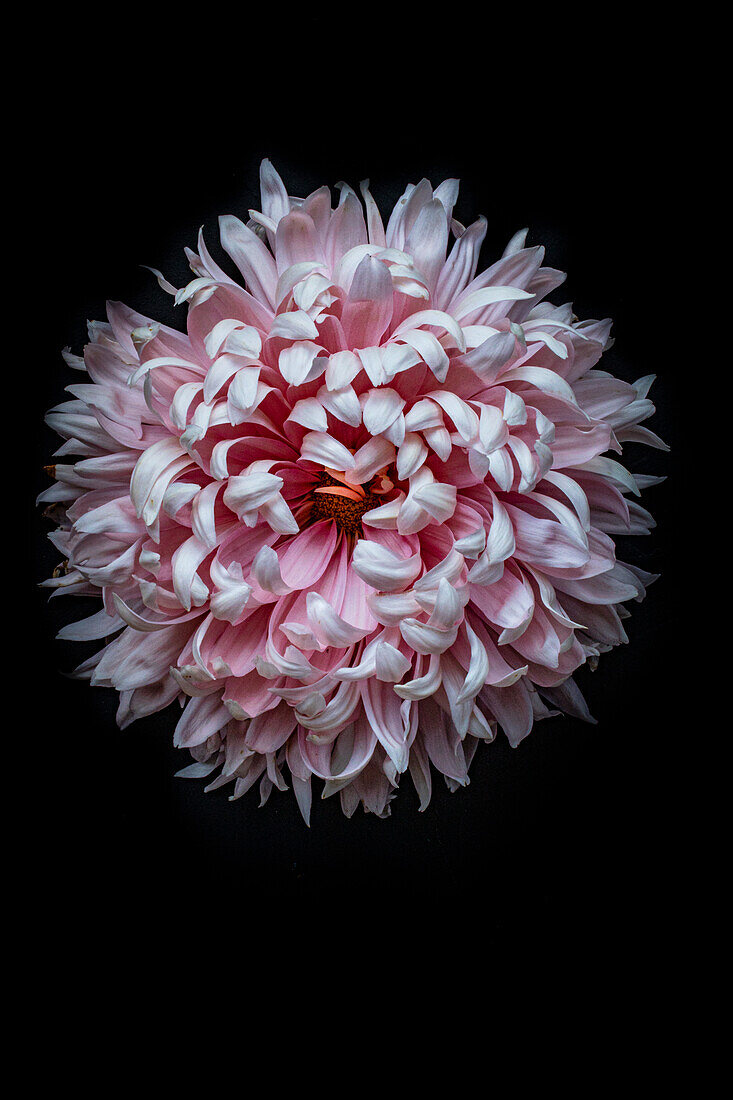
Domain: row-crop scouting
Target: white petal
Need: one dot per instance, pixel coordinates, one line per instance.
(296, 325)
(310, 413)
(423, 414)
(243, 387)
(493, 430)
(500, 543)
(342, 369)
(230, 598)
(488, 295)
(437, 499)
(322, 448)
(296, 361)
(266, 571)
(424, 638)
(385, 517)
(381, 408)
(450, 568)
(424, 686)
(465, 419)
(390, 609)
(491, 355)
(390, 664)
(430, 350)
(176, 496)
(243, 340)
(478, 669)
(471, 546)
(411, 456)
(279, 517)
(448, 606)
(149, 467)
(341, 403)
(439, 440)
(202, 514)
(250, 492)
(502, 469)
(382, 569)
(437, 319)
(218, 334)
(328, 626)
(372, 457)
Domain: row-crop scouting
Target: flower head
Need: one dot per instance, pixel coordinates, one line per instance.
(359, 515)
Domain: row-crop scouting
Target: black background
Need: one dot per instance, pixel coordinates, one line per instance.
(568, 840)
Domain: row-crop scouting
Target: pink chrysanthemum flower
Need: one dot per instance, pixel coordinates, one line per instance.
(359, 515)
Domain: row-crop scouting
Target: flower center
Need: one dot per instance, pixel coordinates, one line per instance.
(343, 503)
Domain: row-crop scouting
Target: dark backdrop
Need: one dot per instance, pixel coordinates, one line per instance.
(563, 840)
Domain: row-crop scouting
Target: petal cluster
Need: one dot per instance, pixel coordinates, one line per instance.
(360, 514)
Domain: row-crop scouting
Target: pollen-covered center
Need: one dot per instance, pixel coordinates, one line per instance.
(331, 499)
